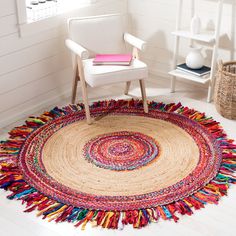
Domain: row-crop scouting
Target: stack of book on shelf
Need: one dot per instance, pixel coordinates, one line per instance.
(113, 59)
(205, 70)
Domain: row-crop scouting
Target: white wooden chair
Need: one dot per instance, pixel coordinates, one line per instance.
(89, 36)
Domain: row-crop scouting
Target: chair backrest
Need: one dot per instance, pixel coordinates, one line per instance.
(99, 34)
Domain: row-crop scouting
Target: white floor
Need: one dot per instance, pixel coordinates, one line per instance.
(213, 220)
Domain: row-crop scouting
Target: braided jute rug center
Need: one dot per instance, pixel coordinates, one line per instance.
(128, 167)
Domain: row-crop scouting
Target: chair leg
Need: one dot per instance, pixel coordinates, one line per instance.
(85, 100)
(80, 71)
(74, 90)
(143, 92)
(127, 87)
(75, 83)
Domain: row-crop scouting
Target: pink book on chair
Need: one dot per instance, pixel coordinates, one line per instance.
(113, 59)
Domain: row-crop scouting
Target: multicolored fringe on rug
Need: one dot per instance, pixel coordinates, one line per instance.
(12, 179)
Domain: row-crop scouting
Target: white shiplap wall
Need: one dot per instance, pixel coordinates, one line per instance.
(35, 71)
(154, 20)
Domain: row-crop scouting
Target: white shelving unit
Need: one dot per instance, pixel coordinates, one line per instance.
(207, 36)
(188, 76)
(210, 37)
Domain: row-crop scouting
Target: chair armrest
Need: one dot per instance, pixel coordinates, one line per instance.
(134, 41)
(77, 49)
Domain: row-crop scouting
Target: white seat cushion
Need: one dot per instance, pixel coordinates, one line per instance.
(102, 75)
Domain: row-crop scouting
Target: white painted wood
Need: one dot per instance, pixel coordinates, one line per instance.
(29, 28)
(176, 45)
(215, 51)
(21, 12)
(203, 37)
(188, 76)
(33, 28)
(207, 37)
(8, 9)
(154, 20)
(8, 25)
(31, 55)
(36, 70)
(36, 103)
(34, 89)
(12, 43)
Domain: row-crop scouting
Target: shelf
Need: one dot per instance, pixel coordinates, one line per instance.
(188, 76)
(207, 37)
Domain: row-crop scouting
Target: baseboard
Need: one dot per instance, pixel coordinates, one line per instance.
(35, 108)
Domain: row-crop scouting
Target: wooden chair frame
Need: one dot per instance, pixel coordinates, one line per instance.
(79, 76)
(81, 53)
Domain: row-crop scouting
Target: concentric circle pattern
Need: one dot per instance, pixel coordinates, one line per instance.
(128, 167)
(121, 150)
(52, 159)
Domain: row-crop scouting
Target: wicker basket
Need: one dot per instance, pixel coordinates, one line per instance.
(225, 90)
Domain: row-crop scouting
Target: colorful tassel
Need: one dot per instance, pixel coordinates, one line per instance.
(11, 178)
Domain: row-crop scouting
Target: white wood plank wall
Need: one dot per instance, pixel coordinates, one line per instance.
(35, 71)
(154, 20)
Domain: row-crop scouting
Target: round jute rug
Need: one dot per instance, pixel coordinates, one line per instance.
(128, 167)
